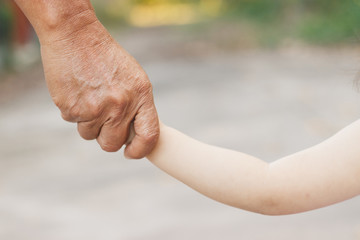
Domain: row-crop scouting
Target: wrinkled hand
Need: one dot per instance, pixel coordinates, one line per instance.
(102, 88)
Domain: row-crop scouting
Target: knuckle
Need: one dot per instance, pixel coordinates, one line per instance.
(69, 110)
(59, 103)
(74, 112)
(122, 105)
(64, 103)
(120, 101)
(66, 117)
(94, 110)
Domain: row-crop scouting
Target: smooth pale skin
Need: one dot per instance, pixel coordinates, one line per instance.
(91, 78)
(322, 175)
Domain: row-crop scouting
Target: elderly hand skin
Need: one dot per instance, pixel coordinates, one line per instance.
(97, 84)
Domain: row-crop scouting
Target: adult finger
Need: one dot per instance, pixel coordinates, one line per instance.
(146, 127)
(68, 118)
(113, 134)
(89, 130)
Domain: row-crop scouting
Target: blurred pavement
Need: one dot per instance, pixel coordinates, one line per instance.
(55, 186)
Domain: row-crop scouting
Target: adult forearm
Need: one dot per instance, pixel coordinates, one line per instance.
(53, 19)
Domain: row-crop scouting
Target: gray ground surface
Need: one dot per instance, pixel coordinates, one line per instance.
(55, 186)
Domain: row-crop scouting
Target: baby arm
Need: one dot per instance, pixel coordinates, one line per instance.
(316, 177)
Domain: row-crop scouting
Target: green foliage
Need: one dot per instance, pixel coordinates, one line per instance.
(262, 11)
(6, 22)
(314, 21)
(6, 28)
(339, 23)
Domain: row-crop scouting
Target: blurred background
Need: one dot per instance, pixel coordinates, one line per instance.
(268, 78)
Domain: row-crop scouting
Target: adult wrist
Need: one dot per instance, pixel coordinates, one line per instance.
(61, 26)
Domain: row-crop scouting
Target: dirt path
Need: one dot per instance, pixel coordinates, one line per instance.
(56, 186)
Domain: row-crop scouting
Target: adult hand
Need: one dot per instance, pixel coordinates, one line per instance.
(102, 88)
